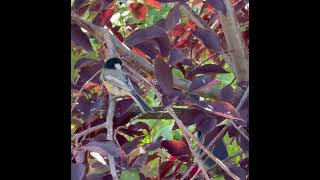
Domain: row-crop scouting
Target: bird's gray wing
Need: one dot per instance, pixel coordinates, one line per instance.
(119, 79)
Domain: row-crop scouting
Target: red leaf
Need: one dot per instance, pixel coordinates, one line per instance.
(139, 52)
(178, 29)
(193, 171)
(104, 16)
(153, 3)
(91, 85)
(175, 147)
(172, 158)
(165, 168)
(138, 10)
(182, 41)
(119, 35)
(196, 2)
(191, 25)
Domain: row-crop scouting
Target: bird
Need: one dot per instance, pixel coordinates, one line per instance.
(118, 84)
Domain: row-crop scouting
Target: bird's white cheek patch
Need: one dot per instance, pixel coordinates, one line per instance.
(118, 66)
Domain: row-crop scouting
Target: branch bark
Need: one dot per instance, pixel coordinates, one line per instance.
(109, 127)
(235, 42)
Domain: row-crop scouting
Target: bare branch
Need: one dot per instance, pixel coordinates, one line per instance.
(109, 127)
(239, 51)
(75, 137)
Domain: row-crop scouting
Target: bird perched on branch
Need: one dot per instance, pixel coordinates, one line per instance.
(118, 84)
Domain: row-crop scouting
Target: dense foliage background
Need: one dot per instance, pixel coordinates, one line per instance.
(191, 56)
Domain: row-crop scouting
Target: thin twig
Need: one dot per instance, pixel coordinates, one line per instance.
(243, 99)
(188, 171)
(109, 127)
(82, 88)
(215, 139)
(75, 137)
(230, 157)
(187, 134)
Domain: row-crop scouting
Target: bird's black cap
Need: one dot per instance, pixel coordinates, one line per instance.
(111, 62)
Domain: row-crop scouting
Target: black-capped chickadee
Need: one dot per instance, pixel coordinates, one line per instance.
(118, 84)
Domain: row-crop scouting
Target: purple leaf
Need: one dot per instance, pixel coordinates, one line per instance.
(226, 94)
(87, 107)
(201, 82)
(102, 147)
(212, 134)
(154, 145)
(80, 156)
(243, 143)
(128, 147)
(140, 161)
(131, 132)
(161, 23)
(158, 34)
(121, 139)
(244, 163)
(139, 126)
(80, 38)
(101, 137)
(224, 109)
(164, 45)
(87, 72)
(173, 17)
(209, 39)
(148, 47)
(206, 125)
(208, 68)
(187, 62)
(142, 35)
(77, 171)
(176, 56)
(122, 107)
(190, 116)
(218, 5)
(239, 171)
(78, 3)
(81, 63)
(164, 75)
(99, 5)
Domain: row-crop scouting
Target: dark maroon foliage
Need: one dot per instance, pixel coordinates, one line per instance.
(239, 171)
(174, 42)
(202, 82)
(164, 76)
(80, 38)
(209, 39)
(208, 69)
(219, 5)
(102, 147)
(77, 171)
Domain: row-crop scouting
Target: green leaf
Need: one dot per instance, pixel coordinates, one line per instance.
(176, 72)
(218, 178)
(131, 174)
